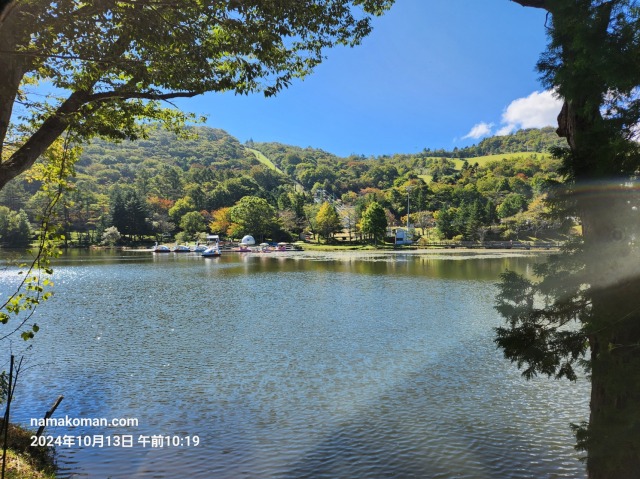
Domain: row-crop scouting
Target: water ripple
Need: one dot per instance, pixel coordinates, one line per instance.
(294, 369)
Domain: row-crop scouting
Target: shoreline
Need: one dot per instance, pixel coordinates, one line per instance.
(368, 252)
(26, 461)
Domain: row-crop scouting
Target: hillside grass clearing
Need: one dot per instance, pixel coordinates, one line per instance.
(264, 160)
(484, 160)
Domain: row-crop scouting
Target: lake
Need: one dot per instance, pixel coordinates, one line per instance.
(291, 365)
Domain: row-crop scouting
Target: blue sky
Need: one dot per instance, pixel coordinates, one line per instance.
(433, 73)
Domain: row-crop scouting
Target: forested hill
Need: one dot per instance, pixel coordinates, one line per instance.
(529, 140)
(207, 147)
(162, 181)
(533, 139)
(541, 140)
(108, 163)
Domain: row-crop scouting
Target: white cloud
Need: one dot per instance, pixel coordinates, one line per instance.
(505, 130)
(535, 111)
(479, 130)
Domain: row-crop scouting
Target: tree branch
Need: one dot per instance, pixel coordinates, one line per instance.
(54, 125)
(57, 123)
(36, 145)
(46, 55)
(533, 3)
(127, 95)
(12, 67)
(5, 8)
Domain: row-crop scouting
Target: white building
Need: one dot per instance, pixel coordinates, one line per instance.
(403, 236)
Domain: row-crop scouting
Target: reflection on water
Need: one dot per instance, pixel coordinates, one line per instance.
(304, 365)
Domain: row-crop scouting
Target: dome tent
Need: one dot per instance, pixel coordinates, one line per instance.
(248, 240)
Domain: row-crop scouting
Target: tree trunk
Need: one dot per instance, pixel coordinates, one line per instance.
(613, 437)
(613, 441)
(12, 68)
(611, 234)
(611, 256)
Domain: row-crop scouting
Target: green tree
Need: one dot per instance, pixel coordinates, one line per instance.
(129, 213)
(512, 204)
(254, 216)
(197, 195)
(82, 210)
(15, 229)
(136, 214)
(168, 183)
(266, 178)
(181, 208)
(374, 221)
(21, 235)
(460, 220)
(117, 209)
(297, 204)
(311, 213)
(591, 64)
(327, 220)
(473, 223)
(284, 201)
(193, 223)
(444, 222)
(111, 236)
(14, 196)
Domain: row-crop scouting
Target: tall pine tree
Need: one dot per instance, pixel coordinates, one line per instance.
(584, 312)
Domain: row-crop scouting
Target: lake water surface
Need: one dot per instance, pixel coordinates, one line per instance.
(296, 365)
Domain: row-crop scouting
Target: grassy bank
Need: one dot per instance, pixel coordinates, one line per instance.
(313, 246)
(25, 461)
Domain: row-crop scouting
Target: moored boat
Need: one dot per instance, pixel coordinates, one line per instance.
(200, 248)
(180, 248)
(160, 248)
(265, 248)
(213, 251)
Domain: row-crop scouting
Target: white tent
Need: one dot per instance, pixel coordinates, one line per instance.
(248, 240)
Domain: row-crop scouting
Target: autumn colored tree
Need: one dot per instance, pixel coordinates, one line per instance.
(328, 220)
(221, 221)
